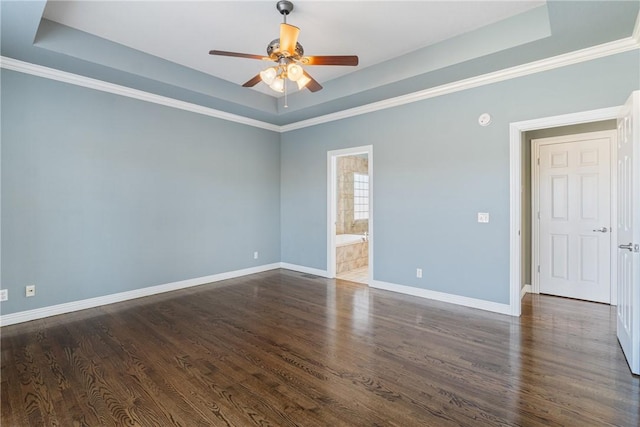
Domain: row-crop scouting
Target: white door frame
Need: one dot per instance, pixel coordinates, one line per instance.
(516, 130)
(331, 205)
(535, 200)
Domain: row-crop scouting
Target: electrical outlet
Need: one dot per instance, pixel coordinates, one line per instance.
(30, 290)
(4, 294)
(483, 217)
(255, 255)
(419, 273)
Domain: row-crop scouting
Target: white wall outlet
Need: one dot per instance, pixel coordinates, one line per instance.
(483, 217)
(30, 290)
(255, 255)
(4, 294)
(419, 273)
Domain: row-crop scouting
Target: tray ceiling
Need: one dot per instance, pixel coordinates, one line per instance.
(161, 47)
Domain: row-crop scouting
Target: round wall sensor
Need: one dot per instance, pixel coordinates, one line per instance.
(484, 119)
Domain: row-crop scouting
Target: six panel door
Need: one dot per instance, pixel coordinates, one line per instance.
(575, 214)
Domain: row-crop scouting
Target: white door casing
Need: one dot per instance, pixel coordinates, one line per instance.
(628, 225)
(572, 215)
(516, 133)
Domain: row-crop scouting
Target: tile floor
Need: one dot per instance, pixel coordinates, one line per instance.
(359, 275)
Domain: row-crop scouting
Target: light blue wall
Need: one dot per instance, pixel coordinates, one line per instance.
(434, 169)
(104, 194)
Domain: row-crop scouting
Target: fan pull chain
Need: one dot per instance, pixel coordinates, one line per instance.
(285, 94)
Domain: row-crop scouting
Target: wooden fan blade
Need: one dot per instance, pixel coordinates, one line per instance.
(350, 60)
(238, 55)
(254, 81)
(313, 85)
(288, 38)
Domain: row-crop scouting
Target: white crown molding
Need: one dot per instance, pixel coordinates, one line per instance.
(583, 55)
(75, 79)
(69, 307)
(443, 297)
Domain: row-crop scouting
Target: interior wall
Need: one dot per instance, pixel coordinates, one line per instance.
(570, 130)
(104, 194)
(527, 183)
(435, 168)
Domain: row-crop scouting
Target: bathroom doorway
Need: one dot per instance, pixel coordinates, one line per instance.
(350, 214)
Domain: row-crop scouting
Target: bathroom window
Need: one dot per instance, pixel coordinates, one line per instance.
(360, 196)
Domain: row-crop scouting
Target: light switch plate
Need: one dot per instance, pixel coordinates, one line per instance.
(483, 217)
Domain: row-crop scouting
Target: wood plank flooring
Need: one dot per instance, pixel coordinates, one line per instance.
(283, 348)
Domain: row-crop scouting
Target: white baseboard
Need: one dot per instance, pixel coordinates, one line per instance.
(303, 269)
(441, 296)
(54, 310)
(526, 289)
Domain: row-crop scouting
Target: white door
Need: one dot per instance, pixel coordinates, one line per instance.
(574, 203)
(628, 312)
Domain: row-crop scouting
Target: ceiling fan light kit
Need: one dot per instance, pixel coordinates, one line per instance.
(289, 57)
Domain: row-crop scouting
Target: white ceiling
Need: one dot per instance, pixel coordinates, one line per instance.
(184, 31)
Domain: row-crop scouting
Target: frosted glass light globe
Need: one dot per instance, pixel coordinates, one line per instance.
(277, 85)
(294, 71)
(268, 75)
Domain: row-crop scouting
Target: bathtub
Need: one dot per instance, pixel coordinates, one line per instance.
(352, 252)
(348, 239)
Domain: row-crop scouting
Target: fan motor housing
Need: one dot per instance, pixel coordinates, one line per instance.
(273, 50)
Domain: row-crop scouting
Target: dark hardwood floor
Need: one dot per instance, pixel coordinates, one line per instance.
(283, 348)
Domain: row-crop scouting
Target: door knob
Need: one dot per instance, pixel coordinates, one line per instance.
(601, 230)
(630, 247)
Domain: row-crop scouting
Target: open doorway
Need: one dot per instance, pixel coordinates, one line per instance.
(627, 213)
(350, 214)
(521, 134)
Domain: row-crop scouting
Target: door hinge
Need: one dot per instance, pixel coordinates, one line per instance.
(538, 160)
(538, 214)
(538, 269)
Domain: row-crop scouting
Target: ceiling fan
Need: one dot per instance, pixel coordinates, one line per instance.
(289, 57)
